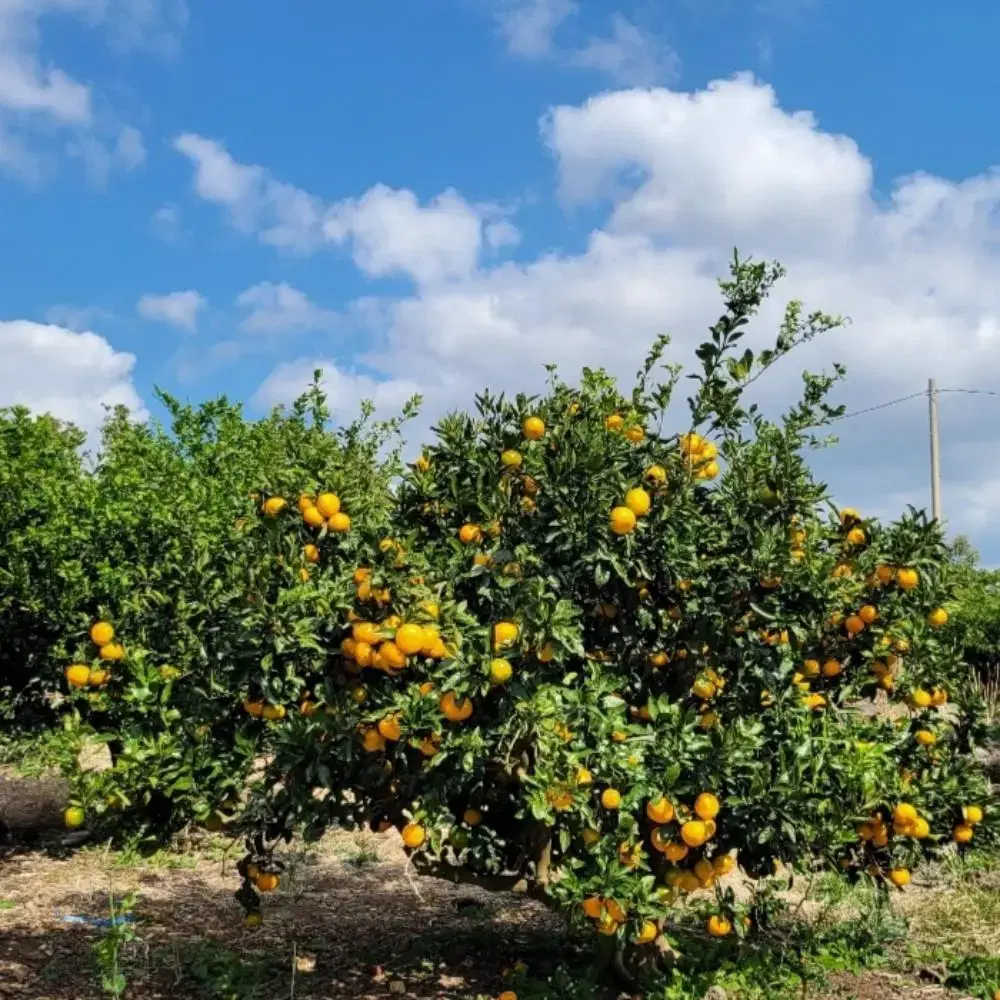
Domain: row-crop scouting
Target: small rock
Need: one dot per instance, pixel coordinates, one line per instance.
(397, 986)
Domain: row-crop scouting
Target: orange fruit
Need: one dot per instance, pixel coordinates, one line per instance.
(310, 553)
(422, 464)
(921, 698)
(328, 504)
(73, 817)
(907, 579)
(313, 517)
(274, 712)
(962, 833)
(856, 536)
(255, 708)
(925, 737)
(647, 932)
(676, 851)
(305, 502)
(615, 422)
(656, 474)
(718, 926)
(367, 632)
(468, 534)
(78, 675)
(973, 815)
(854, 624)
(99, 677)
(937, 618)
(101, 633)
(694, 833)
(504, 633)
(389, 728)
(622, 521)
(811, 668)
(867, 613)
(453, 709)
(593, 907)
(899, 877)
(500, 671)
(273, 506)
(635, 433)
(410, 639)
(511, 458)
(660, 811)
(921, 828)
(904, 813)
(112, 651)
(832, 668)
(708, 471)
(691, 444)
(707, 806)
(372, 740)
(413, 835)
(939, 697)
(339, 522)
(361, 574)
(267, 882)
(533, 428)
(611, 798)
(723, 864)
(638, 501)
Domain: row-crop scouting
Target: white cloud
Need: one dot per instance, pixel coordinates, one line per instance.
(179, 309)
(388, 230)
(39, 100)
(166, 223)
(528, 26)
(685, 177)
(73, 376)
(280, 308)
(78, 318)
(628, 55)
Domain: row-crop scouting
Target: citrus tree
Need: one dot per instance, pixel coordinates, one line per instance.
(186, 609)
(607, 654)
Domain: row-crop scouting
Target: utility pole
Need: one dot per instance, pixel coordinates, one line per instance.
(932, 397)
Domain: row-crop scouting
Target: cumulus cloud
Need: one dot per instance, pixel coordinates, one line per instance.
(178, 309)
(388, 231)
(914, 268)
(71, 375)
(280, 308)
(39, 101)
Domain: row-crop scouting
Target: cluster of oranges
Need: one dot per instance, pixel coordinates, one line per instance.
(699, 455)
(319, 512)
(624, 517)
(102, 635)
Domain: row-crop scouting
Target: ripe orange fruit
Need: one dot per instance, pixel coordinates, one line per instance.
(372, 741)
(904, 813)
(78, 675)
(962, 833)
(856, 536)
(112, 651)
(925, 737)
(907, 579)
(937, 618)
(504, 633)
(921, 828)
(469, 534)
(267, 881)
(899, 877)
(273, 506)
(638, 501)
(921, 698)
(707, 806)
(310, 553)
(611, 798)
(694, 833)
(635, 433)
(656, 474)
(622, 521)
(392, 656)
(305, 502)
(413, 835)
(339, 523)
(254, 708)
(718, 926)
(389, 728)
(708, 471)
(533, 428)
(500, 671)
(848, 516)
(973, 815)
(660, 811)
(328, 504)
(366, 632)
(453, 709)
(410, 639)
(615, 422)
(867, 613)
(703, 688)
(939, 697)
(101, 633)
(723, 864)
(854, 624)
(274, 712)
(811, 668)
(99, 677)
(647, 932)
(73, 817)
(676, 851)
(832, 668)
(313, 517)
(511, 458)
(593, 907)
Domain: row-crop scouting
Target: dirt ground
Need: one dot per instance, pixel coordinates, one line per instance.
(353, 909)
(350, 922)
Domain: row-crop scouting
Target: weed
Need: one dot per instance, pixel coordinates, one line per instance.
(107, 950)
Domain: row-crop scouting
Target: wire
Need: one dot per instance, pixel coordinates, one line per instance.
(973, 392)
(880, 406)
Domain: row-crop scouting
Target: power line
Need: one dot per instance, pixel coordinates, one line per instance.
(912, 395)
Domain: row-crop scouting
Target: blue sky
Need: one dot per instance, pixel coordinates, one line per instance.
(436, 196)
